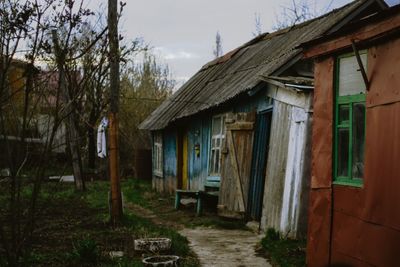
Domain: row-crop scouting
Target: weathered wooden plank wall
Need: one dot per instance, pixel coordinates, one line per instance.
(194, 161)
(167, 183)
(288, 171)
(198, 134)
(296, 184)
(276, 166)
(170, 160)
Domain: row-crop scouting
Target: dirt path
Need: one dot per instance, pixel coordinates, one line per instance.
(216, 247)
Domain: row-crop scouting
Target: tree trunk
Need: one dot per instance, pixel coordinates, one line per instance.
(72, 131)
(91, 142)
(91, 148)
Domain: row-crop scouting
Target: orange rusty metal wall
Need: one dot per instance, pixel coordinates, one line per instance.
(364, 227)
(384, 73)
(322, 134)
(321, 177)
(382, 164)
(319, 221)
(366, 221)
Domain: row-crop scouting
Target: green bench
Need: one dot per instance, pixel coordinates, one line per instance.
(198, 195)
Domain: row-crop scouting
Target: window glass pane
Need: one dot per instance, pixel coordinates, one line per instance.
(358, 140)
(212, 169)
(217, 161)
(158, 153)
(350, 78)
(223, 126)
(216, 126)
(343, 152)
(344, 112)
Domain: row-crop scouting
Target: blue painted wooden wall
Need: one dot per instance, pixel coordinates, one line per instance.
(198, 132)
(170, 160)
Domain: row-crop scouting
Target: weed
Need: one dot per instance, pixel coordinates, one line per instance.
(86, 252)
(283, 251)
(77, 232)
(272, 235)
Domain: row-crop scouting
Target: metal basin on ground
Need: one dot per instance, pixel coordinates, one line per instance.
(161, 261)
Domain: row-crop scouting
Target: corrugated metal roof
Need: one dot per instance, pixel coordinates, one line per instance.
(239, 70)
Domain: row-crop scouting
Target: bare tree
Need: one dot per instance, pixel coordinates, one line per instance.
(257, 25)
(96, 83)
(143, 87)
(218, 46)
(26, 152)
(296, 12)
(80, 42)
(27, 132)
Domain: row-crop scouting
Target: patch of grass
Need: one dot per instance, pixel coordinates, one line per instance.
(143, 228)
(282, 251)
(140, 192)
(75, 231)
(86, 252)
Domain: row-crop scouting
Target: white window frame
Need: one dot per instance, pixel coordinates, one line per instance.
(158, 160)
(216, 142)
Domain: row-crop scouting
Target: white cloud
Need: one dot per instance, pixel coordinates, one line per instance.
(180, 55)
(172, 55)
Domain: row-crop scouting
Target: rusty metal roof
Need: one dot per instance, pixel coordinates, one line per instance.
(239, 70)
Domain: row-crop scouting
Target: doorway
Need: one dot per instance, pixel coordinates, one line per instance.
(258, 165)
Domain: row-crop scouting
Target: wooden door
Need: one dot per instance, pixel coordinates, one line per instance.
(236, 165)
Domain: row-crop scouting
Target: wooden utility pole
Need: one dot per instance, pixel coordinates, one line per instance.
(72, 132)
(116, 200)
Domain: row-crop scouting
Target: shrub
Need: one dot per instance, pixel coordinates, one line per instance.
(86, 252)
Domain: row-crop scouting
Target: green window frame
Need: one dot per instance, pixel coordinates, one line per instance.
(349, 128)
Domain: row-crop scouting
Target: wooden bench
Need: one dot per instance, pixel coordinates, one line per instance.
(198, 195)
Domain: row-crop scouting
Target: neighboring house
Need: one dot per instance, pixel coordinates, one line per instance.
(14, 79)
(354, 210)
(42, 101)
(48, 82)
(241, 125)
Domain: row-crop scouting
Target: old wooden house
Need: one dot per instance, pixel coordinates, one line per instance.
(241, 126)
(354, 217)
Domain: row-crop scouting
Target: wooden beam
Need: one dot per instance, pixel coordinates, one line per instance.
(371, 31)
(360, 64)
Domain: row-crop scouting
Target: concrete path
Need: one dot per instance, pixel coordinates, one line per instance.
(216, 247)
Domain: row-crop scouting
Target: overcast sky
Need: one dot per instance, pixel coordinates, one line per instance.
(182, 32)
